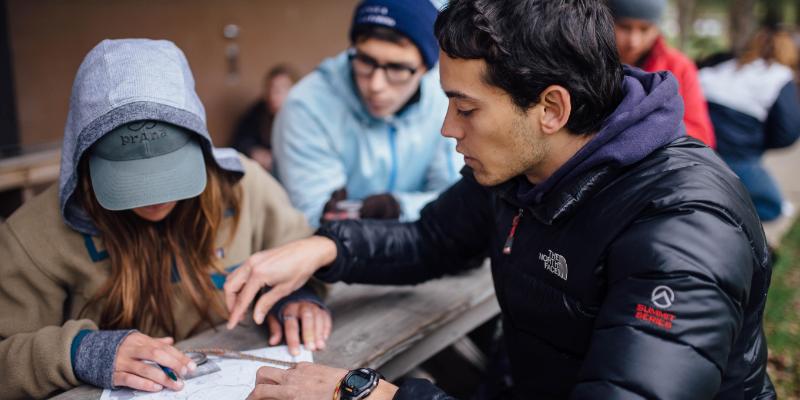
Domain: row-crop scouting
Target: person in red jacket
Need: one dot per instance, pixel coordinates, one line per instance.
(640, 43)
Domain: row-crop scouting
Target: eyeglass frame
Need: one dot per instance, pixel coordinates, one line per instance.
(354, 55)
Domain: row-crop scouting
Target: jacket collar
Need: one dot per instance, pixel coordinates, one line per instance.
(561, 203)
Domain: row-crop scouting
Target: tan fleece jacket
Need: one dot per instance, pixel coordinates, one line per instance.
(48, 272)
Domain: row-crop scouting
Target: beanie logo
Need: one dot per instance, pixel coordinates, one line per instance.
(375, 10)
(378, 20)
(376, 15)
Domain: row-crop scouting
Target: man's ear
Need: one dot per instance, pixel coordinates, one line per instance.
(557, 109)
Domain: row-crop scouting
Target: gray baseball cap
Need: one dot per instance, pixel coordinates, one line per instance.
(144, 163)
(648, 10)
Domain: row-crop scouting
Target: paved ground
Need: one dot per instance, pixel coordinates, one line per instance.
(785, 167)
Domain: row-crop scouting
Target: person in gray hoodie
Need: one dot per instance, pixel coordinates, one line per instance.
(129, 252)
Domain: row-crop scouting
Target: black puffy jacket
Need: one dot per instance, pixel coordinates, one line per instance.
(647, 281)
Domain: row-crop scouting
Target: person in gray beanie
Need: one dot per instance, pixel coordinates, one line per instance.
(640, 44)
(358, 137)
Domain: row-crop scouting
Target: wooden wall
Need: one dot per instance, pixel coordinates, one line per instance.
(49, 39)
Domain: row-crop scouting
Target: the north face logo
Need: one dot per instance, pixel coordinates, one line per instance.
(555, 263)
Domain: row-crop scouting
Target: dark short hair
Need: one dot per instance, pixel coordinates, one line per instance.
(529, 45)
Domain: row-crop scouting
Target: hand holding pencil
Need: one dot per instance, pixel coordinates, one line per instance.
(150, 364)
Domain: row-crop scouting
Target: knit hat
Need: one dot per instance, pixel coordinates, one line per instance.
(144, 163)
(650, 10)
(412, 18)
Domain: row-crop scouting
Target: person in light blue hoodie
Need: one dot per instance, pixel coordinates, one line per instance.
(364, 126)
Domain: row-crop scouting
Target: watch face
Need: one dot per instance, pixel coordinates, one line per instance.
(358, 384)
(357, 380)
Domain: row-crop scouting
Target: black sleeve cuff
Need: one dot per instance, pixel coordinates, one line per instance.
(420, 389)
(334, 272)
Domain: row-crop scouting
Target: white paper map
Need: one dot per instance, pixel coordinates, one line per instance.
(235, 380)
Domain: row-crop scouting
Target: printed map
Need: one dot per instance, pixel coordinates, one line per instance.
(234, 380)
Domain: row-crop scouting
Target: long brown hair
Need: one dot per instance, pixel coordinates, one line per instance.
(772, 45)
(139, 292)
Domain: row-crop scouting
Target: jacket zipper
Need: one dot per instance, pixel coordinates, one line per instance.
(512, 232)
(393, 151)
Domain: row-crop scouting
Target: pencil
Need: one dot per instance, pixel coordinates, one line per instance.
(169, 372)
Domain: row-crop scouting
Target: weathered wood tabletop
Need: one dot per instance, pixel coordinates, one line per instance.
(390, 328)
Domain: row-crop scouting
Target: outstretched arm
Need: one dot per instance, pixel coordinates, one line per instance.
(451, 234)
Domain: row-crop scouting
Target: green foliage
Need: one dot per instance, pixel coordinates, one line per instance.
(699, 48)
(782, 318)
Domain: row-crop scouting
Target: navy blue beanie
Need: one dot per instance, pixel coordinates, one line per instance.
(412, 18)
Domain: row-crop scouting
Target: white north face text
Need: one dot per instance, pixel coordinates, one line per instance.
(555, 263)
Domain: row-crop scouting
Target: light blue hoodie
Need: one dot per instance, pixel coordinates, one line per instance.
(325, 139)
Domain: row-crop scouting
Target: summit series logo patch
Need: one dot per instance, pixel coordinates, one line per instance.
(662, 297)
(555, 263)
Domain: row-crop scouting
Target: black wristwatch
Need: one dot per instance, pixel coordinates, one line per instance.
(358, 384)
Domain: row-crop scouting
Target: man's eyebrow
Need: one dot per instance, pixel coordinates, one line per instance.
(454, 94)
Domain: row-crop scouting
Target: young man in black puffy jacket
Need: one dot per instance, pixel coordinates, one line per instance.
(627, 258)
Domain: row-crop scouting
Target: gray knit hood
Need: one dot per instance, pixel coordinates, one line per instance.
(122, 81)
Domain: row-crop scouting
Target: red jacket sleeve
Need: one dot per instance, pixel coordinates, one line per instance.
(698, 123)
(664, 58)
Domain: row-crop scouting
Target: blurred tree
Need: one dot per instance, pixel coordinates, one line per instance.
(744, 18)
(686, 15)
(773, 12)
(742, 22)
(796, 7)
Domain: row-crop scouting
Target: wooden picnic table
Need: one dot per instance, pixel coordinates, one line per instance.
(36, 167)
(393, 329)
(389, 328)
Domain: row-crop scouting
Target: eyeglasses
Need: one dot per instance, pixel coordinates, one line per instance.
(364, 65)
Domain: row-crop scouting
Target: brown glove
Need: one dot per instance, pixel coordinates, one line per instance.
(380, 206)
